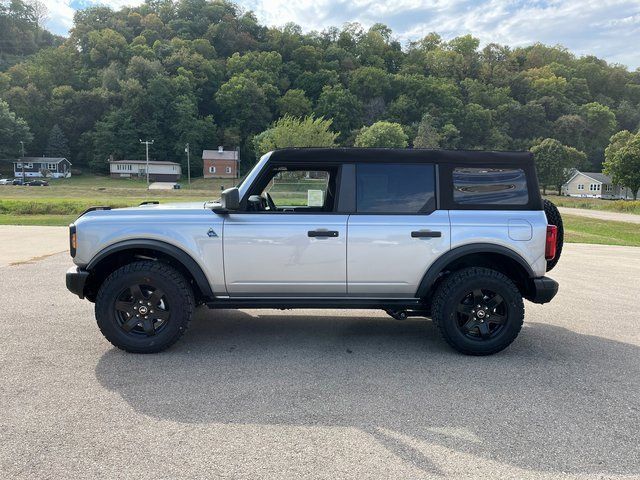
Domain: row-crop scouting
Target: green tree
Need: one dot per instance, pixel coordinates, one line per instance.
(600, 125)
(295, 132)
(427, 135)
(244, 104)
(554, 162)
(342, 106)
(368, 83)
(622, 160)
(294, 103)
(13, 130)
(382, 134)
(58, 145)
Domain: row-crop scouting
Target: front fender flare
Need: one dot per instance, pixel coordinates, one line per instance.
(176, 253)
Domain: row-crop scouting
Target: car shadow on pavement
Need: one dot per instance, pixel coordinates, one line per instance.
(555, 401)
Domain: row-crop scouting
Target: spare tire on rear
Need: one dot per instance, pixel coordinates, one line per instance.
(554, 218)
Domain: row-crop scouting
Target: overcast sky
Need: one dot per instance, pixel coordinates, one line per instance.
(609, 29)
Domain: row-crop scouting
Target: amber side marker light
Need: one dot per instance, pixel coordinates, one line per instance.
(73, 240)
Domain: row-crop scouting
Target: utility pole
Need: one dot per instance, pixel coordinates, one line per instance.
(186, 149)
(147, 143)
(22, 159)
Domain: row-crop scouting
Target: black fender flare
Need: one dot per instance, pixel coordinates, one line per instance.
(174, 252)
(436, 267)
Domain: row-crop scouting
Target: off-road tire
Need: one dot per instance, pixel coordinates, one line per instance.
(177, 293)
(554, 218)
(453, 289)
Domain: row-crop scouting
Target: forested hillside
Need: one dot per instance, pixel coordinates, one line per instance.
(208, 73)
(20, 31)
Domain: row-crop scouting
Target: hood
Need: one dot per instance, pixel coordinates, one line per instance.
(173, 206)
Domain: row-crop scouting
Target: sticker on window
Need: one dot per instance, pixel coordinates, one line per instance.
(315, 198)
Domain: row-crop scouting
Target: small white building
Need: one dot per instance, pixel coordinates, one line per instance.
(594, 185)
(159, 171)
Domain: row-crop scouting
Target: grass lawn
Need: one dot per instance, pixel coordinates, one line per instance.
(589, 230)
(623, 206)
(71, 196)
(42, 220)
(65, 199)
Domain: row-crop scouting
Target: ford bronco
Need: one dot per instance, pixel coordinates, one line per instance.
(458, 236)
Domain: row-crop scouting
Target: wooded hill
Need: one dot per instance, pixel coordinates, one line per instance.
(208, 73)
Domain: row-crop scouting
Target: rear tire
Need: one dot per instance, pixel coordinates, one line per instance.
(144, 307)
(472, 330)
(554, 218)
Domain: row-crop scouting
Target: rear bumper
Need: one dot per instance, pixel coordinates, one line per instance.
(76, 279)
(542, 290)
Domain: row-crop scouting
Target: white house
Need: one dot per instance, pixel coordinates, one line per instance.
(39, 166)
(158, 171)
(594, 185)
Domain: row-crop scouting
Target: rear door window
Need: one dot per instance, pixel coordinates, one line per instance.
(490, 186)
(395, 188)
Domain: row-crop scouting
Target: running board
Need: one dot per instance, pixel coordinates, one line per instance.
(339, 302)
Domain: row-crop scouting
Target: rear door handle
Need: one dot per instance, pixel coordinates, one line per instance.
(322, 233)
(425, 234)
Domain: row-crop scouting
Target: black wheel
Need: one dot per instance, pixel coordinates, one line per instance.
(478, 311)
(144, 307)
(554, 218)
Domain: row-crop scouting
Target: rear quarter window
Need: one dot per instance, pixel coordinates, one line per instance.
(489, 186)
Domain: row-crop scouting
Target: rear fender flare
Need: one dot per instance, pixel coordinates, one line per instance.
(440, 264)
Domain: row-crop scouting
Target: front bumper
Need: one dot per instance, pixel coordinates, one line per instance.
(542, 290)
(76, 279)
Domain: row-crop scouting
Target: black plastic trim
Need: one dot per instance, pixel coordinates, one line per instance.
(176, 253)
(342, 303)
(93, 209)
(436, 268)
(75, 280)
(542, 290)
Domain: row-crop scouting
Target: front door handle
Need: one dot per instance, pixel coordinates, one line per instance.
(425, 234)
(322, 233)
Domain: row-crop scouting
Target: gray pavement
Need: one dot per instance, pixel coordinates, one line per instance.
(601, 214)
(324, 394)
(30, 243)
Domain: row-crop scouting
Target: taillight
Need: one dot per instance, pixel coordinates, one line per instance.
(73, 240)
(552, 242)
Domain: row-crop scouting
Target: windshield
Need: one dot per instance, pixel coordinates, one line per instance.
(242, 179)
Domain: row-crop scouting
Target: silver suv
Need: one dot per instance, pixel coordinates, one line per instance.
(458, 236)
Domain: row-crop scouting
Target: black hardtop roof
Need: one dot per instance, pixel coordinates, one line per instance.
(341, 154)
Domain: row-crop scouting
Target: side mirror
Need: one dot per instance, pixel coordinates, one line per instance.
(230, 199)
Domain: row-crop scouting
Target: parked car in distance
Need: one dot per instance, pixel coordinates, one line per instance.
(17, 181)
(6, 181)
(37, 183)
(458, 236)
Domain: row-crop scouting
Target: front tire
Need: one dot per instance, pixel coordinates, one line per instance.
(478, 311)
(144, 307)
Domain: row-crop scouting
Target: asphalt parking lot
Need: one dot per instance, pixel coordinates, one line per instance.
(324, 394)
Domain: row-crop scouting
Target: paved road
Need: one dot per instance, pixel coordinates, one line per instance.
(26, 243)
(267, 394)
(601, 214)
